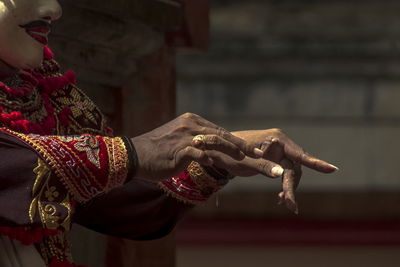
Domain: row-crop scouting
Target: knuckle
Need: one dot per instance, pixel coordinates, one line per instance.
(261, 166)
(278, 132)
(182, 128)
(203, 156)
(190, 116)
(222, 132)
(186, 152)
(213, 140)
(186, 118)
(198, 154)
(187, 115)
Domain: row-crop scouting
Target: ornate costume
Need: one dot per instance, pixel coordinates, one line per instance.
(60, 164)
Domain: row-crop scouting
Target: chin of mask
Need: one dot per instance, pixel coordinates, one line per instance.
(24, 29)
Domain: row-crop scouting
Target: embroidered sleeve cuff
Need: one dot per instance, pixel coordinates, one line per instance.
(193, 186)
(87, 165)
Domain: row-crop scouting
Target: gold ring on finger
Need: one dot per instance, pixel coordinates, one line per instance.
(199, 141)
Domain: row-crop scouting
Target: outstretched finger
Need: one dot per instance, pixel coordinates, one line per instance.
(295, 153)
(246, 167)
(289, 184)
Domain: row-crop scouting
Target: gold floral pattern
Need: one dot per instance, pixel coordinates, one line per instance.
(86, 116)
(50, 201)
(51, 193)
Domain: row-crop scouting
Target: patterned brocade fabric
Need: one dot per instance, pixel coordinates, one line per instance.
(77, 157)
(86, 164)
(193, 186)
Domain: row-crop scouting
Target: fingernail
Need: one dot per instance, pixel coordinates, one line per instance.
(258, 152)
(333, 166)
(277, 171)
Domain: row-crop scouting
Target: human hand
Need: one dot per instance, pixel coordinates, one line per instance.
(167, 150)
(278, 148)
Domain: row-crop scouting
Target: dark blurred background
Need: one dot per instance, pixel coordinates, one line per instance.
(326, 72)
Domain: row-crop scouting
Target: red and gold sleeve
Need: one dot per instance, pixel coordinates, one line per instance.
(86, 165)
(194, 185)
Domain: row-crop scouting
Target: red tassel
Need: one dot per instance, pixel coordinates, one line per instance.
(51, 84)
(27, 236)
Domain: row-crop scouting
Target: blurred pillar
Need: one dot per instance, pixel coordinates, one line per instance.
(124, 54)
(148, 100)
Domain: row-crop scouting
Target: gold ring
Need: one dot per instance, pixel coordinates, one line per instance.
(200, 140)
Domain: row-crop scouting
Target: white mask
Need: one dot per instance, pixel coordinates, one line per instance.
(24, 26)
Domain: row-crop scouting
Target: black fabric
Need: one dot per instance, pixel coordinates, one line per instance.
(139, 210)
(132, 157)
(16, 181)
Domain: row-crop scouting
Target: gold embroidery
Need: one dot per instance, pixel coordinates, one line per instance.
(41, 171)
(31, 106)
(118, 161)
(43, 193)
(67, 222)
(201, 178)
(51, 193)
(86, 116)
(88, 144)
(57, 246)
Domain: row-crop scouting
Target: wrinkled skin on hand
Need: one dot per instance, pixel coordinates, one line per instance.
(279, 148)
(168, 150)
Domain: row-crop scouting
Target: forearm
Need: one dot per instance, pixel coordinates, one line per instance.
(86, 165)
(138, 210)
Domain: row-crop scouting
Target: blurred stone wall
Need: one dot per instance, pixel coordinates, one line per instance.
(326, 72)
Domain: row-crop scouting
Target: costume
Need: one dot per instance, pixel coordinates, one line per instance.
(60, 164)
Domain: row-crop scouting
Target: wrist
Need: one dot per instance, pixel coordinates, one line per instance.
(133, 161)
(193, 186)
(221, 176)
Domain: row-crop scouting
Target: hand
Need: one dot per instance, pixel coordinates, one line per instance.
(167, 150)
(278, 148)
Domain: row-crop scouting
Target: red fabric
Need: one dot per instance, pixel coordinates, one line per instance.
(47, 85)
(183, 188)
(82, 162)
(16, 121)
(27, 236)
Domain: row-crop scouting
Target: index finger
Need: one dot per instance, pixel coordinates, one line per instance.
(297, 154)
